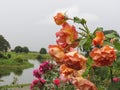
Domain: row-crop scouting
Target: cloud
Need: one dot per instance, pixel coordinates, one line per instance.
(71, 11)
(89, 17)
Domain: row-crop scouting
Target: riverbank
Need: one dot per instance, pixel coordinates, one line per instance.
(16, 63)
(16, 87)
(19, 66)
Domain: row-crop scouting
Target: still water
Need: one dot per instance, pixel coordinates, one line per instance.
(25, 77)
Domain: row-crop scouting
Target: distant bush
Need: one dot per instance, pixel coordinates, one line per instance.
(25, 49)
(19, 49)
(9, 55)
(1, 55)
(43, 51)
(39, 57)
(4, 56)
(20, 59)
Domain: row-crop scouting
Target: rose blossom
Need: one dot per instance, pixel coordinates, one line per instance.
(60, 18)
(44, 67)
(56, 81)
(98, 40)
(66, 70)
(66, 36)
(83, 84)
(104, 56)
(116, 79)
(75, 60)
(37, 83)
(57, 53)
(36, 73)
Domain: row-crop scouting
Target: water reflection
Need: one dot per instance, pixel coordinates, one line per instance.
(24, 76)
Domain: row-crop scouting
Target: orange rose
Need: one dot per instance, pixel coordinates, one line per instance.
(104, 56)
(98, 40)
(83, 84)
(66, 70)
(56, 52)
(59, 18)
(66, 73)
(66, 36)
(75, 61)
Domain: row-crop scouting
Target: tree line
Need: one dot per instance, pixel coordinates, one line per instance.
(5, 47)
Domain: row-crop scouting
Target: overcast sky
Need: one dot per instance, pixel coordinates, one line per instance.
(30, 22)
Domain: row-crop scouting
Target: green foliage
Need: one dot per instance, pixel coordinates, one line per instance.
(78, 20)
(85, 45)
(114, 86)
(20, 59)
(1, 55)
(4, 44)
(19, 49)
(39, 57)
(5, 56)
(117, 45)
(111, 33)
(49, 75)
(16, 63)
(25, 49)
(88, 69)
(43, 51)
(9, 55)
(18, 71)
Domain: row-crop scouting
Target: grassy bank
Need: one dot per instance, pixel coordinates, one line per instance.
(19, 61)
(16, 63)
(15, 87)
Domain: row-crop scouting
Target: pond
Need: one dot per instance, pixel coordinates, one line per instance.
(25, 77)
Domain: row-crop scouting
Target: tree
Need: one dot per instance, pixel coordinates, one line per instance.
(18, 49)
(4, 44)
(43, 51)
(25, 49)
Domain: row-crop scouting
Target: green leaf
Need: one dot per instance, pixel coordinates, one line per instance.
(87, 45)
(117, 45)
(89, 64)
(114, 86)
(77, 20)
(111, 35)
(80, 21)
(111, 31)
(82, 42)
(83, 21)
(108, 43)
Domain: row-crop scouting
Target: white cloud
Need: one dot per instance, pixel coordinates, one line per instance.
(71, 11)
(89, 17)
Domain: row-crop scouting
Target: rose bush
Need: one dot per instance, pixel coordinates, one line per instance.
(82, 60)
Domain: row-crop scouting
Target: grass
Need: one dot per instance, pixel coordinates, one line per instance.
(18, 62)
(5, 87)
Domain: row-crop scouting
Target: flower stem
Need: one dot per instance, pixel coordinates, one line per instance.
(111, 74)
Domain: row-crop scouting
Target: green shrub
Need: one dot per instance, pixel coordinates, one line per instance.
(43, 51)
(20, 59)
(9, 55)
(39, 57)
(1, 55)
